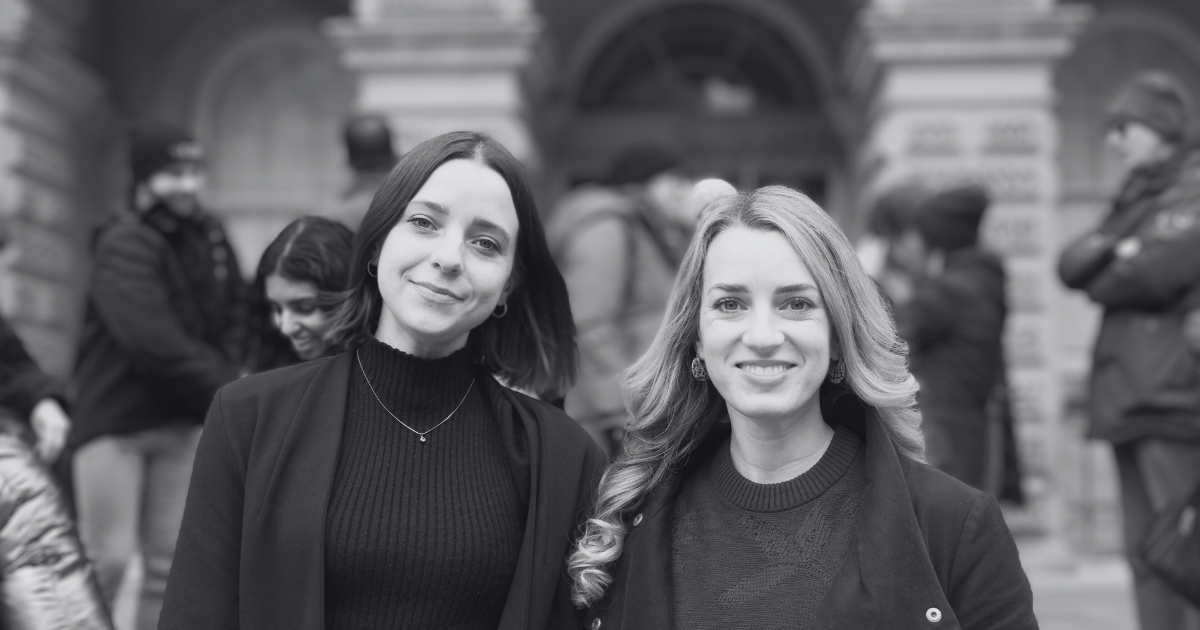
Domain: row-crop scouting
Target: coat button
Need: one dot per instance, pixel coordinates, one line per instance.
(637, 520)
(596, 624)
(933, 615)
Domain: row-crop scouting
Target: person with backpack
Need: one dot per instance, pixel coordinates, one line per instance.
(618, 246)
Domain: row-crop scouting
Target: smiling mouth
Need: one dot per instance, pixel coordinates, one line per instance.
(765, 369)
(436, 289)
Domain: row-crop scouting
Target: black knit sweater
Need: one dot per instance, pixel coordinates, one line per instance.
(423, 535)
(749, 555)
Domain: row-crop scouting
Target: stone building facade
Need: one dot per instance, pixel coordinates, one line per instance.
(837, 98)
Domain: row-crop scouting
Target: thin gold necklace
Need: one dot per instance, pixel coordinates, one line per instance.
(420, 434)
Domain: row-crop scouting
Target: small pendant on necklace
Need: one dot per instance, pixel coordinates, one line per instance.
(422, 438)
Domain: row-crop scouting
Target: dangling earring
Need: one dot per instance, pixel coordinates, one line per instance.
(500, 311)
(699, 371)
(373, 270)
(838, 373)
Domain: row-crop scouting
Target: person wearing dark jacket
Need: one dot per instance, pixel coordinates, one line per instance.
(1142, 266)
(953, 324)
(32, 395)
(399, 484)
(772, 475)
(163, 329)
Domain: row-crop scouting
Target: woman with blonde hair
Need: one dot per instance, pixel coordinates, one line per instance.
(772, 474)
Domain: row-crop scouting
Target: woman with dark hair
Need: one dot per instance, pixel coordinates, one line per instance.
(299, 276)
(772, 475)
(399, 484)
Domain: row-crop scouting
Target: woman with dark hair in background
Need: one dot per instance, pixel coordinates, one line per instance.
(298, 278)
(399, 484)
(772, 475)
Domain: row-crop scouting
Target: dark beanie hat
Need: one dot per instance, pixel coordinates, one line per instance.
(369, 143)
(639, 164)
(1155, 99)
(156, 145)
(950, 220)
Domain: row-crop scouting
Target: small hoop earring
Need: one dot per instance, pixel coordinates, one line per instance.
(373, 270)
(501, 310)
(838, 373)
(699, 371)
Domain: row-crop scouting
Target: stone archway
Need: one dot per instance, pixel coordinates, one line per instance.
(269, 113)
(734, 88)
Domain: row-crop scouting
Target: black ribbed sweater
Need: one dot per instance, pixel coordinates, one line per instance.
(423, 535)
(750, 555)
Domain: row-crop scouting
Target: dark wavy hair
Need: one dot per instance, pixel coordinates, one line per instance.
(533, 346)
(309, 249)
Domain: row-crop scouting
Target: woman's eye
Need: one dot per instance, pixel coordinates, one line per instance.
(726, 306)
(421, 222)
(799, 304)
(488, 244)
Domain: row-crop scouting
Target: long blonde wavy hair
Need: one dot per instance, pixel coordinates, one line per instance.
(672, 412)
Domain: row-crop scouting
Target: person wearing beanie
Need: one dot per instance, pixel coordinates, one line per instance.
(1141, 265)
(164, 328)
(953, 323)
(619, 245)
(369, 152)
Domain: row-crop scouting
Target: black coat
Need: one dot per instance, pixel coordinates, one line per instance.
(1145, 378)
(164, 326)
(925, 541)
(954, 326)
(251, 549)
(22, 383)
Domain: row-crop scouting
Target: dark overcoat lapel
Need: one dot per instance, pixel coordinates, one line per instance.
(289, 476)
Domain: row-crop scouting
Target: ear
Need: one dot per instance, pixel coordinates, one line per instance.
(699, 345)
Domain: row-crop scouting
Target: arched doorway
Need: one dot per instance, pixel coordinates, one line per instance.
(270, 116)
(719, 85)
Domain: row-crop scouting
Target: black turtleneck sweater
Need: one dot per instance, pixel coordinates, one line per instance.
(423, 534)
(750, 555)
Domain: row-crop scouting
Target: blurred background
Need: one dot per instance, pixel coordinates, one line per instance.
(838, 98)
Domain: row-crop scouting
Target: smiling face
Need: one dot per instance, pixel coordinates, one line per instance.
(446, 264)
(295, 312)
(765, 336)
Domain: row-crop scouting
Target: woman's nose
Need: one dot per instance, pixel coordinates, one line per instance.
(447, 254)
(763, 332)
(288, 324)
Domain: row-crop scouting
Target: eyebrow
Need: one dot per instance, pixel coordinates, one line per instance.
(741, 288)
(432, 205)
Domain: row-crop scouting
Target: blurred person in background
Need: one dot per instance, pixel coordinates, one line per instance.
(952, 319)
(299, 276)
(619, 246)
(37, 533)
(164, 328)
(1142, 265)
(890, 220)
(369, 151)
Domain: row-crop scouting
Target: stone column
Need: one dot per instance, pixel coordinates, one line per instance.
(434, 66)
(45, 95)
(957, 91)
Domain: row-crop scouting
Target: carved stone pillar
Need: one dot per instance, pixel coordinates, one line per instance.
(45, 96)
(959, 91)
(434, 66)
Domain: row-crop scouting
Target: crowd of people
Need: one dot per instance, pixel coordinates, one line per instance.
(674, 405)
